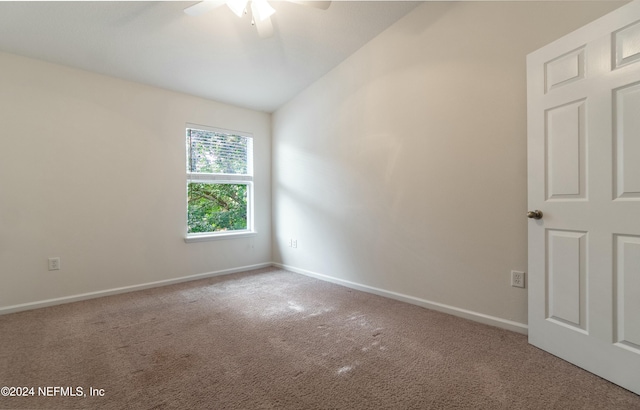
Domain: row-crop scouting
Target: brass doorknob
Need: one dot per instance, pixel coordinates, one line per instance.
(534, 214)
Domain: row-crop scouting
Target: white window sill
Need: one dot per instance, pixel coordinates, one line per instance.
(218, 236)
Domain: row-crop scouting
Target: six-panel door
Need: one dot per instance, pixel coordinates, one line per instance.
(584, 175)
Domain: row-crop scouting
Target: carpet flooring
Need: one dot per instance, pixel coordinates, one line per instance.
(272, 339)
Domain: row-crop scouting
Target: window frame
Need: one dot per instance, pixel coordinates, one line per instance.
(221, 178)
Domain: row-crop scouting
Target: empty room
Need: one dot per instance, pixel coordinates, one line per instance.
(284, 204)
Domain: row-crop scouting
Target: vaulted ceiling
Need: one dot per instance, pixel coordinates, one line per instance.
(216, 55)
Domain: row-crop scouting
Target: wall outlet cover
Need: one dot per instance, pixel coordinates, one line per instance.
(517, 279)
(54, 263)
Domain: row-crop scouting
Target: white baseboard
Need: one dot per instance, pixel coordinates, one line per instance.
(467, 314)
(126, 289)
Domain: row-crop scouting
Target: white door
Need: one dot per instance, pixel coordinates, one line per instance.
(584, 176)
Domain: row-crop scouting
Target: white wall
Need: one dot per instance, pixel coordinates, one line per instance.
(404, 168)
(92, 169)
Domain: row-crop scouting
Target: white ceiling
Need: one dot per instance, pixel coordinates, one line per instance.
(217, 55)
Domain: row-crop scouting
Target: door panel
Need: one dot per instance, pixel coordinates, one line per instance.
(626, 113)
(566, 168)
(627, 45)
(564, 69)
(584, 175)
(627, 292)
(567, 278)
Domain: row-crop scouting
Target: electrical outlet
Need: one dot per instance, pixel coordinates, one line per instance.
(517, 279)
(54, 263)
(294, 243)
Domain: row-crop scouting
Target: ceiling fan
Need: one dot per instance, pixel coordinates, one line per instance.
(261, 11)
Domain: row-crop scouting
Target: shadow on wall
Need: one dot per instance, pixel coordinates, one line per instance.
(350, 213)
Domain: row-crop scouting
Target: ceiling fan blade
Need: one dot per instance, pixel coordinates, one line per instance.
(203, 7)
(322, 5)
(264, 27)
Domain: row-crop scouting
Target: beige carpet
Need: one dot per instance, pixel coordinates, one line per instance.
(274, 339)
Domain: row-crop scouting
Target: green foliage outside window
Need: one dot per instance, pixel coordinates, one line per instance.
(210, 152)
(216, 207)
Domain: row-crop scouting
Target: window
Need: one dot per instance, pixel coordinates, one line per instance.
(219, 183)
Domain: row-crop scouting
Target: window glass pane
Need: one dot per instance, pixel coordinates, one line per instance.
(216, 207)
(214, 153)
